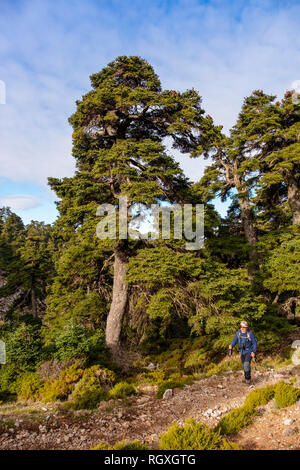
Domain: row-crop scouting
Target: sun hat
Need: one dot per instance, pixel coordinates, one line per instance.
(244, 323)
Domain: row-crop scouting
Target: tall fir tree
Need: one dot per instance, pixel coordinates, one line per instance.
(119, 127)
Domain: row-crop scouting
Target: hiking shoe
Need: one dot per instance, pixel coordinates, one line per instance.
(247, 381)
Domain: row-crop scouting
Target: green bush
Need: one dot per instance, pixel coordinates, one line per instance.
(122, 445)
(122, 390)
(87, 393)
(260, 396)
(104, 376)
(8, 376)
(193, 436)
(286, 395)
(74, 341)
(24, 348)
(196, 359)
(71, 374)
(270, 329)
(236, 419)
(153, 377)
(28, 386)
(54, 390)
(59, 389)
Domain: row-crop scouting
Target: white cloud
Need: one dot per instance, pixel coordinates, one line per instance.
(19, 202)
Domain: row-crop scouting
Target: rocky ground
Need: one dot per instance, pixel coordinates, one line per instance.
(40, 426)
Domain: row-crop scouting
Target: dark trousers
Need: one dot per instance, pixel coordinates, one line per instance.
(246, 361)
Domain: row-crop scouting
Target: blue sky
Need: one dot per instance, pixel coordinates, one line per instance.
(48, 49)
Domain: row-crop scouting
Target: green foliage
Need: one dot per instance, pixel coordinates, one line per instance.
(195, 359)
(76, 341)
(161, 266)
(28, 386)
(122, 390)
(134, 445)
(72, 373)
(270, 329)
(90, 388)
(285, 394)
(26, 260)
(193, 436)
(283, 265)
(24, 348)
(87, 394)
(122, 445)
(105, 377)
(85, 387)
(261, 396)
(8, 376)
(236, 419)
(54, 390)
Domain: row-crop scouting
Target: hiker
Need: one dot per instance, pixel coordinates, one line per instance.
(247, 347)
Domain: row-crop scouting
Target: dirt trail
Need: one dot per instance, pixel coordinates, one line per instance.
(144, 417)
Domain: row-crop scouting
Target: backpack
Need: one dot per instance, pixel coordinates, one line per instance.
(248, 338)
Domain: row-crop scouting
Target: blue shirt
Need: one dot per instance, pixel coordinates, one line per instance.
(246, 341)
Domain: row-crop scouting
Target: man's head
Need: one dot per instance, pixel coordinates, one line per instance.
(244, 325)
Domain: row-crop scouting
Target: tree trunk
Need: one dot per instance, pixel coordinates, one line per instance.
(250, 234)
(247, 221)
(293, 197)
(246, 211)
(33, 303)
(119, 300)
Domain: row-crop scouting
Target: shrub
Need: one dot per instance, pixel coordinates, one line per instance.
(23, 351)
(122, 445)
(260, 396)
(155, 376)
(270, 329)
(72, 373)
(236, 419)
(134, 445)
(55, 389)
(104, 376)
(74, 341)
(196, 359)
(8, 376)
(24, 347)
(193, 436)
(286, 395)
(122, 390)
(87, 394)
(28, 386)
